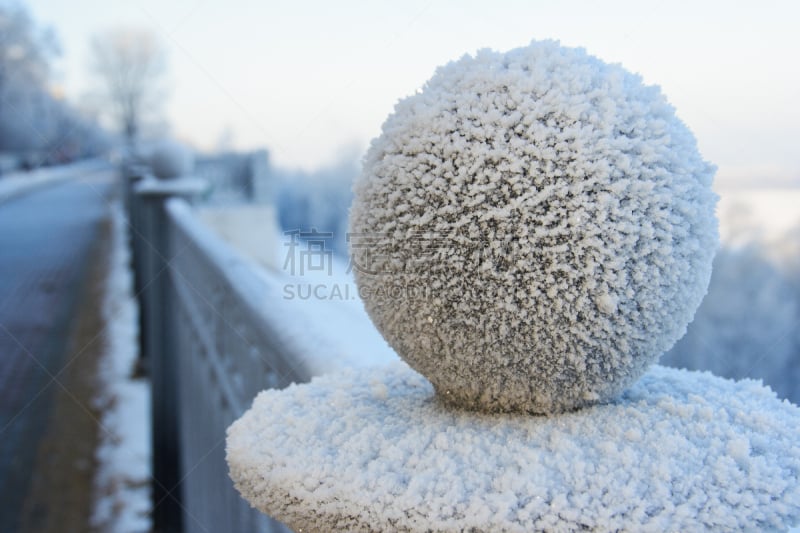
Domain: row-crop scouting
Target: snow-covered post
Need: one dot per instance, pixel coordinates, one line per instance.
(156, 254)
(171, 160)
(132, 173)
(541, 229)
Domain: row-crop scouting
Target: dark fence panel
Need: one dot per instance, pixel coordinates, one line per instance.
(209, 349)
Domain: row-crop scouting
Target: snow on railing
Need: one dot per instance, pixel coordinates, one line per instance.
(209, 348)
(236, 177)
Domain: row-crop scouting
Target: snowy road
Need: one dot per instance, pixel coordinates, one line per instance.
(46, 239)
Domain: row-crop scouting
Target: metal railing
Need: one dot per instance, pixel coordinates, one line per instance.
(236, 177)
(209, 349)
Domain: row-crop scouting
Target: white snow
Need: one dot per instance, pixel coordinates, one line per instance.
(122, 485)
(317, 311)
(325, 310)
(558, 213)
(170, 159)
(186, 186)
(250, 228)
(328, 330)
(13, 185)
(373, 450)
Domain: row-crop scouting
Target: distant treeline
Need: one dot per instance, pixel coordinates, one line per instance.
(748, 325)
(318, 200)
(37, 125)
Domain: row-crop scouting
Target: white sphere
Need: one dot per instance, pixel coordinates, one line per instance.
(170, 159)
(533, 229)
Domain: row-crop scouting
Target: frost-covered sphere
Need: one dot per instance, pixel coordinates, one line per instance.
(170, 159)
(533, 229)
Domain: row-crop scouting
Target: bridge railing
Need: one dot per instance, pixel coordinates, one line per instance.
(209, 348)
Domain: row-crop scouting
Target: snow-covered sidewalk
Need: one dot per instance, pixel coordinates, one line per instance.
(122, 485)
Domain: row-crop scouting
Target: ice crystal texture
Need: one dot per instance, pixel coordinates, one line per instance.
(533, 229)
(371, 450)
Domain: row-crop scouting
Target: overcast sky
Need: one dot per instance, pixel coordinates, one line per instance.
(313, 81)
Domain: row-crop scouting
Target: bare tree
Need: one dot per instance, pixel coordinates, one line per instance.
(25, 52)
(131, 66)
(37, 124)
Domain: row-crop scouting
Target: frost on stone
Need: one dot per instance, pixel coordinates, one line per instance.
(540, 228)
(374, 450)
(170, 159)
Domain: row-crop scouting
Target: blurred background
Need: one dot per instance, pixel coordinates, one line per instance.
(275, 103)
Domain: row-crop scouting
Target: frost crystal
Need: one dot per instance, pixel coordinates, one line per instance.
(539, 229)
(678, 451)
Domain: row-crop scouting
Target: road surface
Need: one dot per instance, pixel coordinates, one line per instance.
(48, 238)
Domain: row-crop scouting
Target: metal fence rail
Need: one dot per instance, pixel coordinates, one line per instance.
(236, 177)
(210, 351)
(226, 355)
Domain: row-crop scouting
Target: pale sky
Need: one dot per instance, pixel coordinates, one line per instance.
(313, 81)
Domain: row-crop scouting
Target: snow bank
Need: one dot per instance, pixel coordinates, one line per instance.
(373, 450)
(122, 484)
(556, 215)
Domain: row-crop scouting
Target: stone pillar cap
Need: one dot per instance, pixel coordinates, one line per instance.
(375, 450)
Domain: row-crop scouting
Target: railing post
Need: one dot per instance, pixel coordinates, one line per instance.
(153, 230)
(132, 175)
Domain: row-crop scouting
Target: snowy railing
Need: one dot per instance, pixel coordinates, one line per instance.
(209, 350)
(235, 177)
